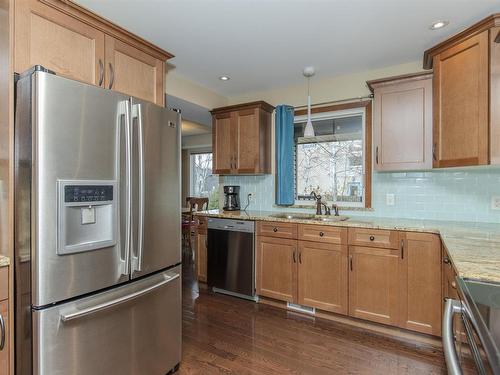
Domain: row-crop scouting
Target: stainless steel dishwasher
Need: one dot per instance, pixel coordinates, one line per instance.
(231, 257)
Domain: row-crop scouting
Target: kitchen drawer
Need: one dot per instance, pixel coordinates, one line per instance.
(322, 233)
(277, 229)
(374, 238)
(4, 283)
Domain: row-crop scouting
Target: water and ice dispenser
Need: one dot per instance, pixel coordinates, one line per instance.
(87, 215)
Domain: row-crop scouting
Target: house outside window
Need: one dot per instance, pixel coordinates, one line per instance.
(202, 182)
(332, 163)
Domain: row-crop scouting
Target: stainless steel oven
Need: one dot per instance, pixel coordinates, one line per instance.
(475, 320)
(231, 257)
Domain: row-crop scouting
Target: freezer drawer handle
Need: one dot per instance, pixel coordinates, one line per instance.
(451, 308)
(117, 301)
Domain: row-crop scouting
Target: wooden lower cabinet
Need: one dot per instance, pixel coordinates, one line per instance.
(420, 283)
(322, 276)
(276, 268)
(374, 275)
(201, 255)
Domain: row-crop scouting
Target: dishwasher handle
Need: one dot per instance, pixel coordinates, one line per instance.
(451, 308)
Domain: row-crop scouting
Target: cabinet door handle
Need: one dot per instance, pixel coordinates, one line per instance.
(434, 152)
(275, 229)
(294, 260)
(376, 155)
(350, 262)
(321, 234)
(112, 78)
(2, 333)
(372, 238)
(101, 72)
(402, 249)
(300, 257)
(446, 260)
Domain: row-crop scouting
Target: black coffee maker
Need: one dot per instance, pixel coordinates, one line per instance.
(231, 198)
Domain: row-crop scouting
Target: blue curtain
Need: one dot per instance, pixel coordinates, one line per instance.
(284, 155)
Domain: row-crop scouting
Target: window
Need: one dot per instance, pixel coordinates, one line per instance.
(203, 182)
(332, 163)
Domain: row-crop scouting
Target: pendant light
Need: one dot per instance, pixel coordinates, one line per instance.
(308, 73)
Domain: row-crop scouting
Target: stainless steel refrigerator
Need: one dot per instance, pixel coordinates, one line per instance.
(97, 231)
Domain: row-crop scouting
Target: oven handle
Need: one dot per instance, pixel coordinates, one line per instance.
(451, 308)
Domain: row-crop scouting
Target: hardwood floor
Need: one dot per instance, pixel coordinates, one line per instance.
(227, 335)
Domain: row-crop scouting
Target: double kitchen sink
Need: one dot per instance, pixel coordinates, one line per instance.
(297, 216)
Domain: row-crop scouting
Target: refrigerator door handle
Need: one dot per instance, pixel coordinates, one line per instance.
(117, 301)
(140, 220)
(128, 183)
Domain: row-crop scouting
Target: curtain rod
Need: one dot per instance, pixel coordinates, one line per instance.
(358, 98)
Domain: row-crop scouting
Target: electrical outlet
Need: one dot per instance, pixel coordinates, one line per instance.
(251, 196)
(495, 202)
(389, 199)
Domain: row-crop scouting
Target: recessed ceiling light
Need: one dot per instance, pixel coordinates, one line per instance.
(438, 25)
(224, 78)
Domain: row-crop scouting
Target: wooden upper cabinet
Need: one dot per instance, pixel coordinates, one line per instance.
(276, 275)
(420, 282)
(44, 36)
(402, 131)
(374, 284)
(241, 137)
(466, 96)
(322, 276)
(133, 72)
(75, 43)
(461, 104)
(222, 143)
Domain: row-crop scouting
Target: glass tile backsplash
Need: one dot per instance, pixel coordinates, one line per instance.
(452, 194)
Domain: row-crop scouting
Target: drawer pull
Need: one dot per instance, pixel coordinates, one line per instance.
(2, 333)
(372, 238)
(321, 234)
(275, 229)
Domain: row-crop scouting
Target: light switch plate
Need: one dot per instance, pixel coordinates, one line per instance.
(389, 199)
(495, 202)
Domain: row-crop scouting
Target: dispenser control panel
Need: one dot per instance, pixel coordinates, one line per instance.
(87, 193)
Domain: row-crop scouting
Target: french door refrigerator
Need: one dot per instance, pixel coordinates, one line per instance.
(97, 231)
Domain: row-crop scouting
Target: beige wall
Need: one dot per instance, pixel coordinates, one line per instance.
(325, 89)
(181, 87)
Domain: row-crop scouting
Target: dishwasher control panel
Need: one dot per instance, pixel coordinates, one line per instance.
(247, 226)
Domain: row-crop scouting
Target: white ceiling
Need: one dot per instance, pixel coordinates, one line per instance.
(192, 128)
(264, 44)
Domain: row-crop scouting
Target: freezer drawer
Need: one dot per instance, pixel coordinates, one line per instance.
(133, 329)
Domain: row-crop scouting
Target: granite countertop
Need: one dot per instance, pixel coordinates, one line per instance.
(474, 248)
(4, 261)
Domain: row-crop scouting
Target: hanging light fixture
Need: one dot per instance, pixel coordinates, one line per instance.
(308, 73)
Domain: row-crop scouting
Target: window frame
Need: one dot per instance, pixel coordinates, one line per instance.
(363, 108)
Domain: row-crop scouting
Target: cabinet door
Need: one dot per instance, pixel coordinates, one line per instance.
(133, 72)
(403, 125)
(4, 353)
(461, 104)
(495, 95)
(373, 284)
(277, 268)
(222, 140)
(421, 300)
(322, 277)
(201, 256)
(45, 36)
(247, 141)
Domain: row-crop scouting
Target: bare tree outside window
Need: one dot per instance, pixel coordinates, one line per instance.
(203, 183)
(331, 163)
